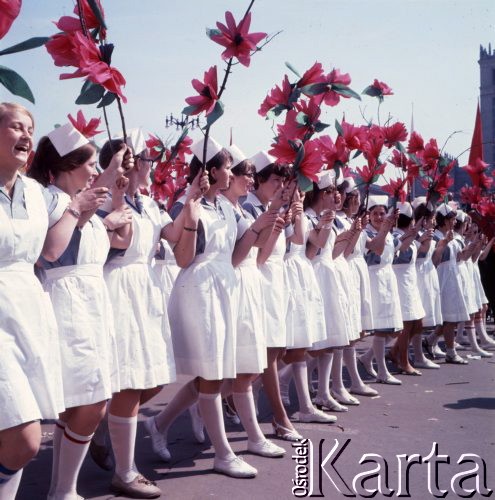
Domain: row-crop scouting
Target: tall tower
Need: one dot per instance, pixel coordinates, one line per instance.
(487, 102)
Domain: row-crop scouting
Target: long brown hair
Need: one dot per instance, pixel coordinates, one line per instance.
(47, 163)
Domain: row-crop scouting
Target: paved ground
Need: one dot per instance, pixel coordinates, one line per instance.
(453, 406)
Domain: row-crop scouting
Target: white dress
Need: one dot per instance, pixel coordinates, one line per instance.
(405, 271)
(203, 302)
(335, 298)
(144, 347)
(478, 284)
(251, 320)
(429, 288)
(454, 308)
(30, 377)
(305, 315)
(274, 282)
(166, 268)
(84, 315)
(467, 280)
(387, 314)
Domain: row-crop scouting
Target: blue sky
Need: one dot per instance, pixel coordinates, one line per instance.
(427, 51)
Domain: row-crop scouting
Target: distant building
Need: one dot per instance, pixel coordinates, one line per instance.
(487, 102)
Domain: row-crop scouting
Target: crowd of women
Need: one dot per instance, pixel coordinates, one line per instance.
(245, 284)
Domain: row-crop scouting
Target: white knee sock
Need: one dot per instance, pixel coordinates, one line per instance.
(123, 436)
(471, 335)
(350, 362)
(481, 331)
(285, 375)
(459, 337)
(9, 483)
(58, 432)
(337, 382)
(379, 352)
(419, 355)
(185, 397)
(300, 371)
(210, 406)
(367, 357)
(244, 404)
(324, 370)
(73, 449)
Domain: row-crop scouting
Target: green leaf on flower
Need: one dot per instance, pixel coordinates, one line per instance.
(305, 183)
(357, 153)
(338, 128)
(336, 169)
(91, 93)
(400, 147)
(375, 179)
(415, 159)
(320, 126)
(294, 96)
(299, 155)
(315, 88)
(31, 43)
(289, 65)
(175, 148)
(372, 91)
(276, 111)
(215, 114)
(212, 32)
(107, 99)
(97, 12)
(345, 91)
(14, 83)
(302, 119)
(189, 110)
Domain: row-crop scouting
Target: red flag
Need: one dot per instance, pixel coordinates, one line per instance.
(477, 141)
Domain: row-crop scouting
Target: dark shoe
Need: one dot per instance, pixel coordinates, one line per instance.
(428, 348)
(102, 456)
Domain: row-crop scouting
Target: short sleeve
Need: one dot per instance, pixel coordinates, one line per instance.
(250, 209)
(56, 204)
(165, 218)
(242, 226)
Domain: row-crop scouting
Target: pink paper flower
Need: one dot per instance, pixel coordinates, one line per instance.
(278, 96)
(382, 87)
(395, 188)
(9, 10)
(208, 93)
(236, 38)
(88, 129)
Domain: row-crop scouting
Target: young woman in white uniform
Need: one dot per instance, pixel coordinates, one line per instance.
(32, 221)
(202, 309)
(387, 317)
(80, 300)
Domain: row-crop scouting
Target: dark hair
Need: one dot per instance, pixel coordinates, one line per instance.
(312, 197)
(48, 163)
(403, 221)
(273, 168)
(107, 152)
(342, 187)
(458, 224)
(422, 211)
(441, 219)
(217, 161)
(348, 197)
(245, 167)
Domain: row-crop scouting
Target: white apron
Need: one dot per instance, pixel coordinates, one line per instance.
(480, 291)
(305, 318)
(429, 288)
(167, 270)
(203, 302)
(144, 347)
(407, 282)
(384, 291)
(85, 320)
(335, 299)
(30, 378)
(454, 307)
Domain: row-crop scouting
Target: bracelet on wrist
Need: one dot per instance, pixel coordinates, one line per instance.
(257, 233)
(191, 229)
(73, 212)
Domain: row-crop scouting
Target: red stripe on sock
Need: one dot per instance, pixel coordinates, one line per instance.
(74, 440)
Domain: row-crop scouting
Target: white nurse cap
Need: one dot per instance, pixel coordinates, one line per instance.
(66, 139)
(237, 155)
(213, 148)
(261, 160)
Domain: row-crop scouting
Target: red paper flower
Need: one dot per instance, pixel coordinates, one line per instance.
(382, 87)
(89, 18)
(332, 98)
(208, 93)
(431, 154)
(312, 162)
(62, 48)
(238, 42)
(470, 194)
(278, 96)
(416, 143)
(88, 129)
(312, 75)
(155, 144)
(394, 133)
(353, 136)
(395, 188)
(477, 174)
(486, 207)
(183, 149)
(9, 10)
(369, 174)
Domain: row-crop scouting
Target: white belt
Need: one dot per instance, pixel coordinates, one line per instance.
(94, 270)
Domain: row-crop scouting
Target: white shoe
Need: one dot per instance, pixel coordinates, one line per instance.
(230, 413)
(390, 379)
(428, 364)
(197, 423)
(317, 416)
(368, 367)
(158, 440)
(364, 390)
(266, 448)
(234, 467)
(343, 397)
(489, 345)
(329, 404)
(438, 352)
(482, 353)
